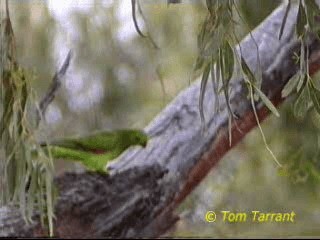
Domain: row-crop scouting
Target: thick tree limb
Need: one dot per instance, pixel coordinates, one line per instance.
(145, 186)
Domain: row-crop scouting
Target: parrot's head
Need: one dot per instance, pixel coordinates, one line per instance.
(134, 137)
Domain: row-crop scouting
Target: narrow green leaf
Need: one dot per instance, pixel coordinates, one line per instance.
(33, 176)
(226, 62)
(251, 77)
(201, 36)
(312, 6)
(302, 81)
(267, 102)
(301, 105)
(214, 42)
(301, 20)
(291, 84)
(211, 6)
(222, 65)
(247, 70)
(204, 82)
(315, 96)
(49, 202)
(215, 76)
(302, 59)
(250, 87)
(228, 59)
(313, 10)
(199, 64)
(197, 67)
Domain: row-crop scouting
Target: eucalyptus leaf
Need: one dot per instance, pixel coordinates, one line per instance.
(291, 84)
(215, 76)
(301, 20)
(214, 43)
(201, 36)
(301, 105)
(226, 62)
(211, 5)
(199, 64)
(313, 10)
(246, 70)
(267, 102)
(312, 6)
(204, 82)
(250, 76)
(302, 81)
(228, 59)
(315, 96)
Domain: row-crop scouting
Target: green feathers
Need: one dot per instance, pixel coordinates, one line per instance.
(96, 150)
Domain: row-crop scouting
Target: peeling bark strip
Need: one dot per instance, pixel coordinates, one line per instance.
(139, 197)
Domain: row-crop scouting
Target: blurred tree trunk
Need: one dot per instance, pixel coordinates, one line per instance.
(138, 198)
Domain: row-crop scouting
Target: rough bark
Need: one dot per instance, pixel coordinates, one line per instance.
(138, 198)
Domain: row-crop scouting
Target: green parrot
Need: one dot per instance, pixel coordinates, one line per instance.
(96, 150)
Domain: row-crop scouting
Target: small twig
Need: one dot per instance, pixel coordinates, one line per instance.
(53, 88)
(7, 9)
(134, 17)
(173, 2)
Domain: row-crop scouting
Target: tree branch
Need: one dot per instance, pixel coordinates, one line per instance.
(146, 185)
(53, 88)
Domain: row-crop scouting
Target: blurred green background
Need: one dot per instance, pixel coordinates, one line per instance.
(113, 82)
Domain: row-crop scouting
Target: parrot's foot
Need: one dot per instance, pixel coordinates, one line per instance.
(99, 171)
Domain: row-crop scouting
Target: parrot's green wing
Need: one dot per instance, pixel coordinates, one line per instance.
(93, 162)
(104, 141)
(96, 150)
